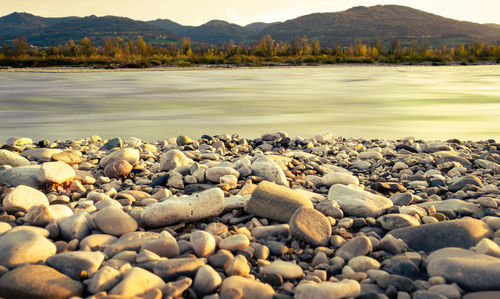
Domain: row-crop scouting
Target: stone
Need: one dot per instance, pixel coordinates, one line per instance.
(103, 280)
(238, 266)
(22, 198)
(4, 226)
(333, 178)
(113, 143)
(70, 158)
(236, 202)
(214, 174)
(118, 168)
(275, 202)
(184, 209)
(328, 290)
(129, 241)
(131, 155)
(393, 221)
(203, 243)
(403, 267)
(401, 283)
(460, 183)
(164, 246)
(357, 246)
(42, 215)
(264, 232)
(488, 247)
(97, 242)
(39, 281)
(56, 173)
(221, 259)
(267, 169)
(77, 264)
(234, 242)
(206, 281)
(330, 208)
(358, 202)
(24, 246)
(38, 230)
(482, 295)
(15, 141)
(183, 140)
(77, 226)
(392, 245)
(402, 199)
(455, 205)
(310, 226)
(176, 267)
(370, 155)
(173, 159)
(363, 264)
(424, 294)
(12, 159)
(174, 289)
(472, 271)
(287, 270)
(114, 221)
(137, 281)
(247, 288)
(21, 175)
(449, 291)
(464, 233)
(40, 154)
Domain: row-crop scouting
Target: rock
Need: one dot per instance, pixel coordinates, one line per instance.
(393, 221)
(358, 202)
(214, 174)
(38, 230)
(77, 226)
(247, 288)
(118, 168)
(129, 241)
(403, 267)
(310, 226)
(392, 245)
(24, 246)
(206, 281)
(460, 183)
(234, 242)
(137, 281)
(472, 271)
(103, 280)
(370, 155)
(333, 178)
(39, 281)
(77, 264)
(236, 202)
(114, 221)
(328, 290)
(15, 141)
(56, 173)
(448, 156)
(266, 168)
(12, 159)
(174, 289)
(482, 295)
(70, 158)
(42, 215)
(173, 159)
(221, 259)
(330, 208)
(488, 247)
(363, 263)
(164, 246)
(21, 175)
(40, 154)
(401, 283)
(131, 155)
(287, 270)
(4, 226)
(402, 199)
(183, 140)
(113, 143)
(357, 246)
(455, 205)
(203, 243)
(264, 232)
(22, 198)
(238, 266)
(464, 233)
(388, 187)
(97, 242)
(275, 202)
(174, 268)
(449, 291)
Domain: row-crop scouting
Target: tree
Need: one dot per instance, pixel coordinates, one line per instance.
(266, 46)
(5, 50)
(73, 48)
(20, 46)
(461, 50)
(86, 48)
(186, 45)
(130, 48)
(316, 48)
(109, 48)
(142, 47)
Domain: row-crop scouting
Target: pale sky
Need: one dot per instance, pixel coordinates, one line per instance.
(197, 12)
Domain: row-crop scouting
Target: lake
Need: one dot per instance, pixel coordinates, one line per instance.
(389, 102)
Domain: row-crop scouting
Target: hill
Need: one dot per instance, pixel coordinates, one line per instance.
(175, 28)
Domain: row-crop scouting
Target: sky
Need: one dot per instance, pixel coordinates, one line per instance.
(197, 12)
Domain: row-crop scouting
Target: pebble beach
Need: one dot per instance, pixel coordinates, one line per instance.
(232, 217)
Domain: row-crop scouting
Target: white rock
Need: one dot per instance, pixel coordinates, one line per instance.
(22, 198)
(56, 173)
(12, 159)
(488, 247)
(287, 270)
(137, 281)
(40, 154)
(358, 202)
(328, 290)
(173, 159)
(333, 178)
(214, 174)
(131, 155)
(203, 243)
(42, 215)
(364, 263)
(268, 169)
(370, 155)
(103, 280)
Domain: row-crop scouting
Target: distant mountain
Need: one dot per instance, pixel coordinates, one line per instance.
(385, 23)
(256, 28)
(217, 32)
(175, 28)
(492, 25)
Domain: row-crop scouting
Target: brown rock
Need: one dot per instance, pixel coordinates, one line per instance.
(310, 226)
(117, 168)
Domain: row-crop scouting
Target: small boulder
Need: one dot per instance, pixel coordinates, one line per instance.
(56, 173)
(310, 226)
(22, 198)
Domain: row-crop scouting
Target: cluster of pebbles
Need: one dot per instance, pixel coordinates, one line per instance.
(229, 217)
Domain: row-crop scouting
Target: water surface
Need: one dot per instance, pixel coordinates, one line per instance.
(360, 101)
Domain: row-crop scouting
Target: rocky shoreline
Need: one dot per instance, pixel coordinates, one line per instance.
(229, 217)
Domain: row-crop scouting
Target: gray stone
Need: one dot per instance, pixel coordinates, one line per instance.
(164, 246)
(446, 290)
(114, 221)
(117, 169)
(448, 156)
(21, 175)
(97, 242)
(310, 226)
(130, 155)
(287, 270)
(264, 232)
(40, 154)
(174, 268)
(330, 208)
(129, 241)
(234, 242)
(203, 243)
(103, 280)
(268, 169)
(77, 264)
(401, 283)
(214, 174)
(137, 281)
(22, 198)
(24, 246)
(358, 202)
(173, 159)
(333, 178)
(206, 281)
(464, 233)
(393, 221)
(275, 202)
(42, 215)
(328, 290)
(77, 226)
(482, 295)
(354, 247)
(113, 143)
(247, 288)
(454, 205)
(12, 159)
(56, 173)
(460, 183)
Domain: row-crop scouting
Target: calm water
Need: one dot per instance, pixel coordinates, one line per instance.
(374, 101)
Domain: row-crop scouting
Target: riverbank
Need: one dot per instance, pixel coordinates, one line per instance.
(225, 216)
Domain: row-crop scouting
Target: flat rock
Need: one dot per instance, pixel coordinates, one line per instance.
(114, 221)
(266, 168)
(173, 159)
(12, 159)
(357, 246)
(333, 178)
(129, 241)
(40, 154)
(70, 158)
(472, 271)
(22, 198)
(393, 221)
(137, 281)
(482, 295)
(131, 155)
(214, 174)
(275, 202)
(248, 288)
(173, 268)
(184, 209)
(21, 175)
(24, 246)
(56, 173)
(358, 202)
(77, 264)
(77, 226)
(463, 233)
(39, 281)
(287, 270)
(310, 226)
(455, 205)
(329, 290)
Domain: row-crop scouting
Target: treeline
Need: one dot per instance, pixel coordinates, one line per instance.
(137, 54)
